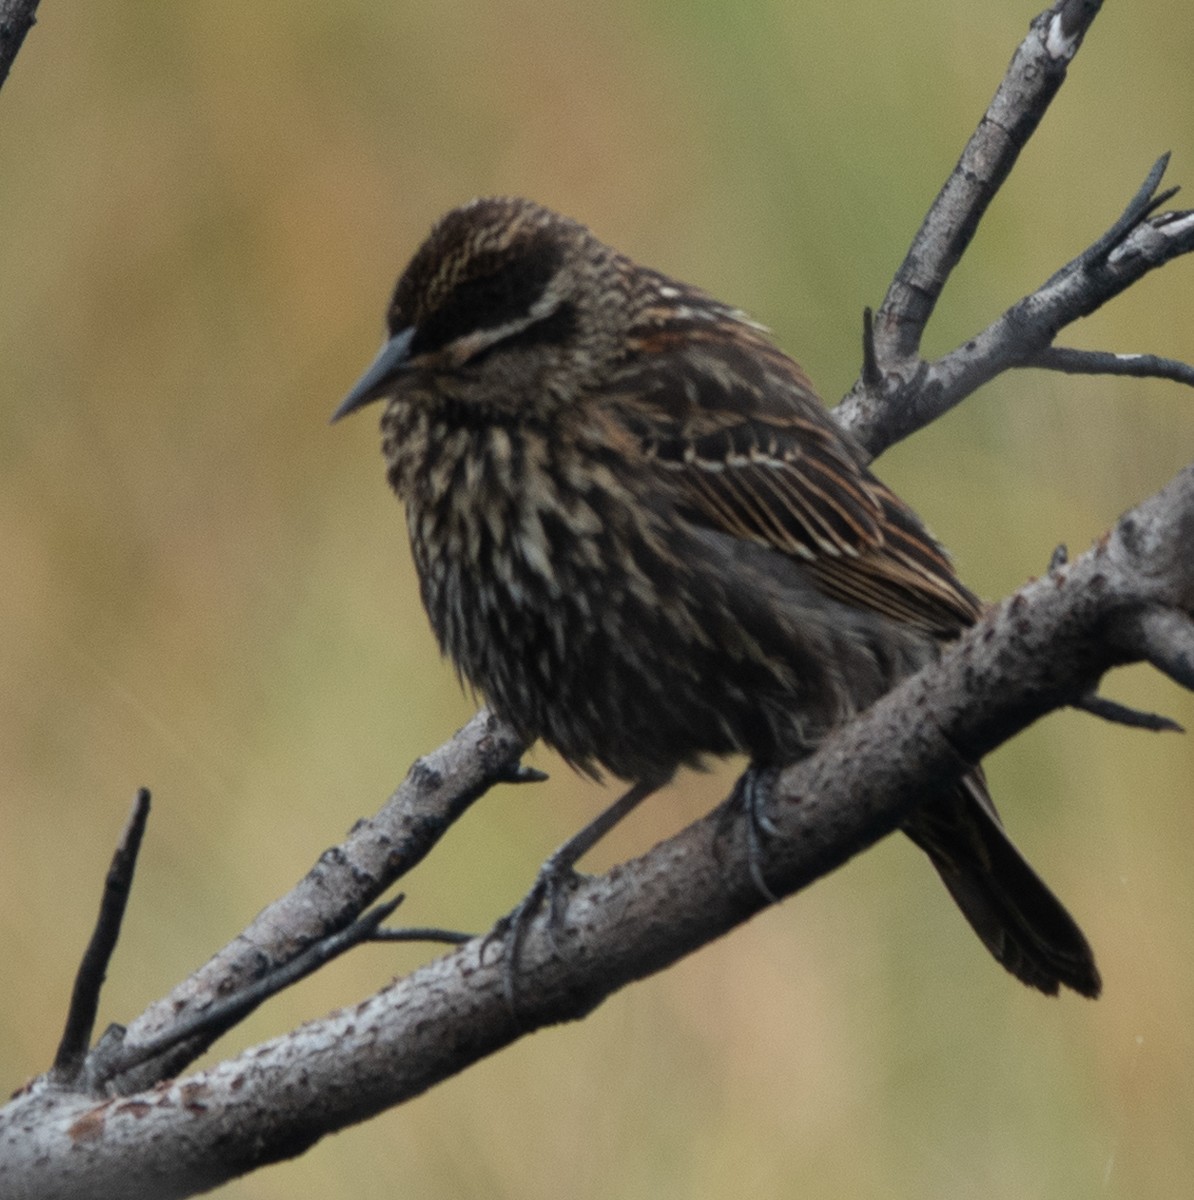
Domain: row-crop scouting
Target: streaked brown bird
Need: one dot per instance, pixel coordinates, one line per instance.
(640, 535)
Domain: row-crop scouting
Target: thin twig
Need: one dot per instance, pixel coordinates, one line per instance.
(1103, 362)
(519, 772)
(93, 969)
(1142, 204)
(228, 1011)
(422, 933)
(1121, 714)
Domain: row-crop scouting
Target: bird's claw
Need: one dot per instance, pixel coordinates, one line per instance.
(749, 798)
(550, 890)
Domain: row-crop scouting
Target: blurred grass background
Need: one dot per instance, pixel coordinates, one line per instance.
(207, 591)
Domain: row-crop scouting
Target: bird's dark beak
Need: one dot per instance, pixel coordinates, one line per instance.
(376, 380)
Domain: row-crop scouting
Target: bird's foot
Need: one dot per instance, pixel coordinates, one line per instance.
(749, 800)
(549, 892)
(556, 877)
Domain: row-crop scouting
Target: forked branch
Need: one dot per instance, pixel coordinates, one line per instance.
(897, 391)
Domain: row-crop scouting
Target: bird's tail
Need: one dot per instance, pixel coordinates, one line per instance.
(1017, 917)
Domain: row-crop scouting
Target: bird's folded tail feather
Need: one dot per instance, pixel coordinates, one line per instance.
(1008, 905)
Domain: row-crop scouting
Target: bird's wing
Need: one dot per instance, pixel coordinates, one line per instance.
(735, 427)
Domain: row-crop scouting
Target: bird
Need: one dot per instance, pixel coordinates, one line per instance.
(642, 537)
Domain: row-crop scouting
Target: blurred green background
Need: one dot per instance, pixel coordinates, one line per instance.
(207, 591)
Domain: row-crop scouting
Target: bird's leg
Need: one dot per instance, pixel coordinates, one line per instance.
(554, 875)
(749, 797)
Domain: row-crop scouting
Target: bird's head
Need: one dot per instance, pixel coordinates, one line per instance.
(505, 306)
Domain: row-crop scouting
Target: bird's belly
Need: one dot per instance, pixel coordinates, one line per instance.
(559, 649)
(615, 669)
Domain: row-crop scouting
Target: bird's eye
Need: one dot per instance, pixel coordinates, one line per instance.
(496, 293)
(556, 328)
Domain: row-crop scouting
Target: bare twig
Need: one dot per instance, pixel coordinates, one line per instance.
(422, 933)
(89, 981)
(1121, 714)
(1142, 205)
(223, 1014)
(1079, 288)
(1037, 71)
(116, 1057)
(897, 392)
(1103, 362)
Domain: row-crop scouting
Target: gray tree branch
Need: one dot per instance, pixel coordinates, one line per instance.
(898, 392)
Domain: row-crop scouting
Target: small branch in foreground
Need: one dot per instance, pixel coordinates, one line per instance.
(93, 969)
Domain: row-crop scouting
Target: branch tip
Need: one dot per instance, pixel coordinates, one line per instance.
(1103, 362)
(1139, 208)
(1122, 714)
(1071, 19)
(519, 772)
(19, 18)
(93, 967)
